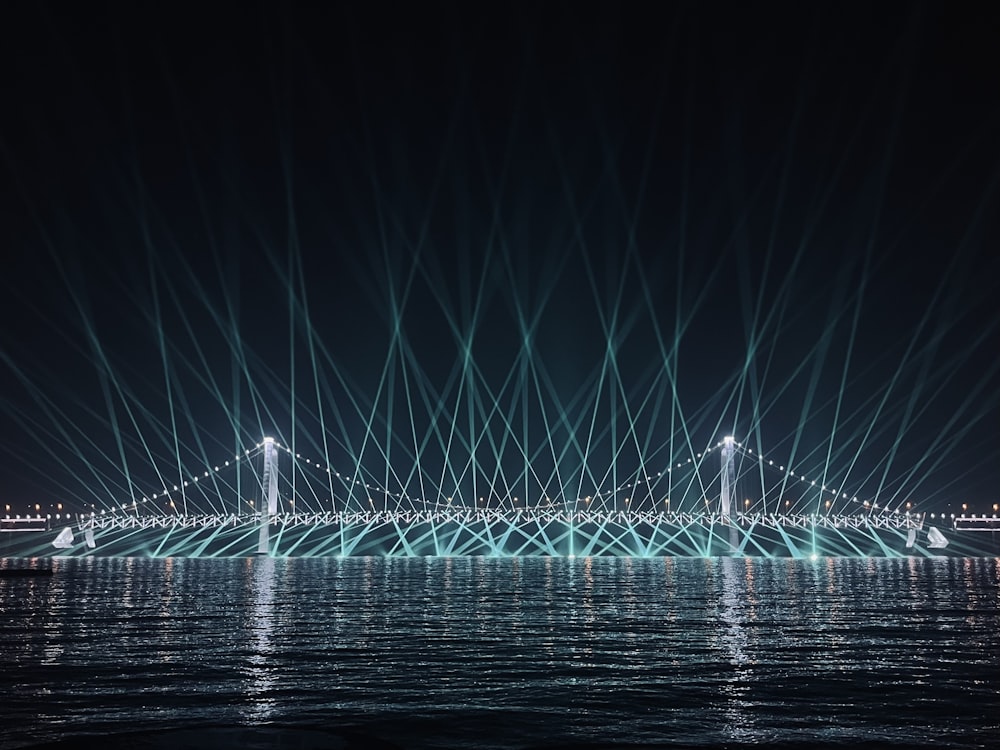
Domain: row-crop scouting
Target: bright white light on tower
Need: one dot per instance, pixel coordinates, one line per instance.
(728, 439)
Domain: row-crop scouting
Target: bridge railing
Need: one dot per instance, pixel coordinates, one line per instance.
(980, 523)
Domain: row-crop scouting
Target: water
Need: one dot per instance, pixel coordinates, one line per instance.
(480, 652)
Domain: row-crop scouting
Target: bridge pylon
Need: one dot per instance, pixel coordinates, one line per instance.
(728, 489)
(728, 476)
(269, 484)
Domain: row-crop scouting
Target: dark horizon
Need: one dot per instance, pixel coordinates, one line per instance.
(376, 234)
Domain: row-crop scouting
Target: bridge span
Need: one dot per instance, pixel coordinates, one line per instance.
(495, 533)
(632, 520)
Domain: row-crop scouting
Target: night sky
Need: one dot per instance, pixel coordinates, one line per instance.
(593, 236)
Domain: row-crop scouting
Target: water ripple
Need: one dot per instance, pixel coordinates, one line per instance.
(483, 652)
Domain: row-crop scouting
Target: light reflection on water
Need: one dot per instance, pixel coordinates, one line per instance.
(483, 652)
(264, 619)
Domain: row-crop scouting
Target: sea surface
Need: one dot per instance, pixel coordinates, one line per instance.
(508, 653)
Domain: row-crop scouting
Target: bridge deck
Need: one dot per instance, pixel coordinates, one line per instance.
(494, 533)
(520, 516)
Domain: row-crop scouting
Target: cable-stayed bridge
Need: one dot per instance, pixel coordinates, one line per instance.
(724, 500)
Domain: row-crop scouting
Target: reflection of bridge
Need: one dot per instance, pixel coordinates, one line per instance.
(635, 524)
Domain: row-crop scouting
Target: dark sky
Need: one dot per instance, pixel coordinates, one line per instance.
(532, 228)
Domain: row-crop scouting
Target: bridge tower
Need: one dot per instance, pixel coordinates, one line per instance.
(728, 490)
(269, 480)
(728, 476)
(269, 484)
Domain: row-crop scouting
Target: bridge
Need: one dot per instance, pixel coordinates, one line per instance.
(270, 500)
